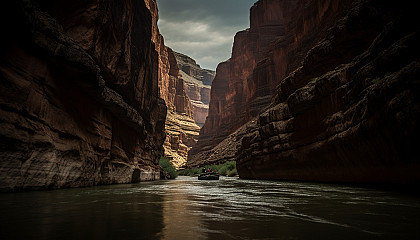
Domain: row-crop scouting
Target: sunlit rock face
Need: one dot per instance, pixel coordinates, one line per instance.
(347, 98)
(181, 130)
(197, 83)
(79, 95)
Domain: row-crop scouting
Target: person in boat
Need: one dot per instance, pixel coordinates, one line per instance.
(203, 170)
(209, 170)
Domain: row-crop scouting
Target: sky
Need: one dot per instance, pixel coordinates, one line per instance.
(203, 29)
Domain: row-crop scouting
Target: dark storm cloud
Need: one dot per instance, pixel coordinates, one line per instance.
(203, 29)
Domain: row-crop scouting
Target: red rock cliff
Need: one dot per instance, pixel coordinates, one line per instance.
(347, 112)
(208, 138)
(197, 82)
(79, 95)
(347, 98)
(244, 96)
(181, 130)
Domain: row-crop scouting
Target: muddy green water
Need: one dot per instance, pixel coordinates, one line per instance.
(230, 208)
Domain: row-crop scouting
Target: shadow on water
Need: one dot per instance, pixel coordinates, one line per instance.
(231, 208)
(109, 212)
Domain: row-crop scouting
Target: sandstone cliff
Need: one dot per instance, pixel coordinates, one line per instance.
(180, 127)
(197, 83)
(347, 101)
(79, 96)
(347, 113)
(243, 97)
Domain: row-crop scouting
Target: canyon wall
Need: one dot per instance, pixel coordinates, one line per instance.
(180, 127)
(243, 96)
(79, 96)
(198, 84)
(347, 98)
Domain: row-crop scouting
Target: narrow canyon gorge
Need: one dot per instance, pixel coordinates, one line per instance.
(185, 88)
(314, 90)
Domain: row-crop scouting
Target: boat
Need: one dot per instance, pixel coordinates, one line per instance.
(208, 176)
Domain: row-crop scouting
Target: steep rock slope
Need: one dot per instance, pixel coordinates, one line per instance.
(347, 99)
(348, 113)
(197, 85)
(79, 96)
(243, 95)
(180, 127)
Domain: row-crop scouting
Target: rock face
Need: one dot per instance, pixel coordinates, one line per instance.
(347, 113)
(79, 95)
(197, 82)
(240, 97)
(347, 101)
(214, 129)
(181, 130)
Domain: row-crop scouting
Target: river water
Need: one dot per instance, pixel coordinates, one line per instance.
(230, 208)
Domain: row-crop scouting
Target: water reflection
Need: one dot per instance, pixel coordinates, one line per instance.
(227, 209)
(179, 218)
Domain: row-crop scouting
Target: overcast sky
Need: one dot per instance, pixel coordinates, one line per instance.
(203, 29)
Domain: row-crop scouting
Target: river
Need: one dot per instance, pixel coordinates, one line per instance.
(230, 208)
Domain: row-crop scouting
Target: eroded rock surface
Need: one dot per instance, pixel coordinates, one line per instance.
(347, 98)
(79, 95)
(180, 127)
(197, 85)
(347, 113)
(241, 97)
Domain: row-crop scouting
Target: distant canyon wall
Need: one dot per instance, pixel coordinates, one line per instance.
(79, 95)
(188, 96)
(180, 127)
(198, 84)
(346, 98)
(238, 95)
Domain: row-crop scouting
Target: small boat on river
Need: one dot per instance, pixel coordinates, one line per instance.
(208, 176)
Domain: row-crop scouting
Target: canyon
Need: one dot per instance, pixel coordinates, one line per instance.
(189, 91)
(180, 128)
(185, 87)
(315, 90)
(197, 82)
(318, 90)
(90, 95)
(79, 96)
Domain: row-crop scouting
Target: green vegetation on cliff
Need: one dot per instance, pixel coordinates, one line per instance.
(168, 167)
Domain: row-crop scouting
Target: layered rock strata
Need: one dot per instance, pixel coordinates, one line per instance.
(202, 152)
(180, 127)
(79, 96)
(348, 113)
(197, 85)
(347, 101)
(241, 96)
